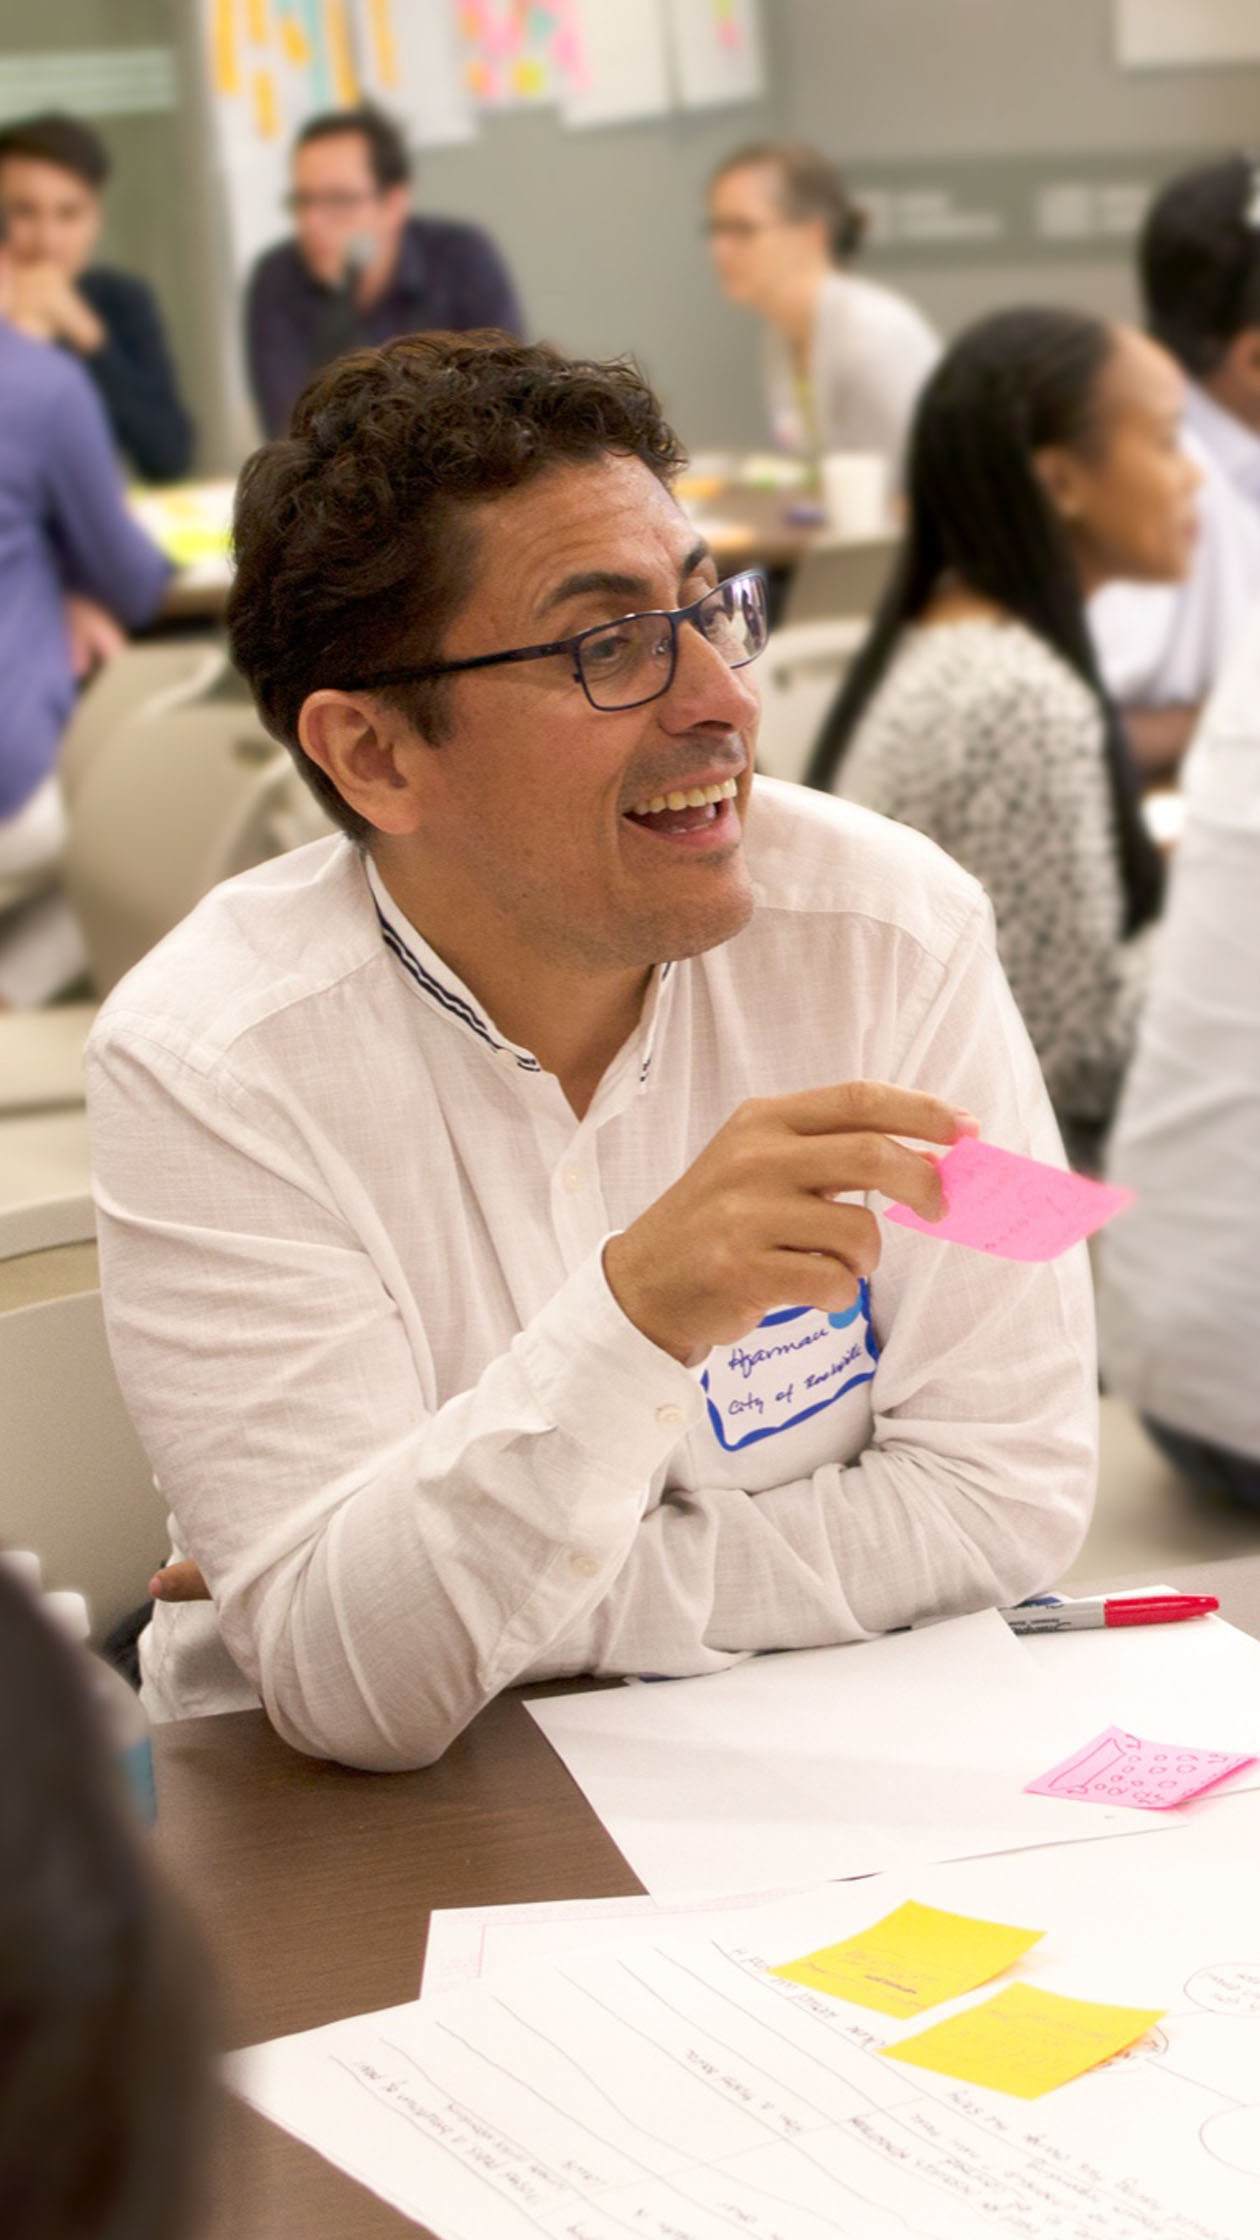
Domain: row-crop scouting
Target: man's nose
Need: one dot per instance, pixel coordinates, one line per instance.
(706, 689)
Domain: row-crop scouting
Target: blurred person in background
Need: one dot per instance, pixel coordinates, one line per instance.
(1179, 1302)
(1045, 459)
(104, 2025)
(53, 171)
(360, 268)
(75, 571)
(1163, 650)
(845, 358)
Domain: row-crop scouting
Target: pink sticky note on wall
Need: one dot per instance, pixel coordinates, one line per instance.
(1119, 1768)
(1002, 1203)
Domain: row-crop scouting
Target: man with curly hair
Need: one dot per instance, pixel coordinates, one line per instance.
(485, 1193)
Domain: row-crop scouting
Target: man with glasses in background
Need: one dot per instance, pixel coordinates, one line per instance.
(360, 268)
(487, 1194)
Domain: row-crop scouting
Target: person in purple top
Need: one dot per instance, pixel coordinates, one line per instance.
(359, 269)
(74, 567)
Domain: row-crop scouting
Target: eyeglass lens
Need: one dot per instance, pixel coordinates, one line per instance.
(633, 661)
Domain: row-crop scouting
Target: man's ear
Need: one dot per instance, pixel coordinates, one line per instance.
(1242, 365)
(370, 753)
(1062, 482)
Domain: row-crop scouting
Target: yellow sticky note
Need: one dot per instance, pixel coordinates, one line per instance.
(912, 1959)
(384, 44)
(1025, 2041)
(266, 107)
(227, 77)
(296, 45)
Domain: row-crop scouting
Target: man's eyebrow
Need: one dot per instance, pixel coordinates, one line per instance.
(614, 583)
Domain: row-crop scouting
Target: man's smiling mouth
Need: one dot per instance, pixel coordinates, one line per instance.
(688, 810)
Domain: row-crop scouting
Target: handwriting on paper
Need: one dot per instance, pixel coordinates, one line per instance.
(1015, 1208)
(1120, 1768)
(912, 1959)
(1025, 2041)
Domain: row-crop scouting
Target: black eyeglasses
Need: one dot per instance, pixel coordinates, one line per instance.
(625, 664)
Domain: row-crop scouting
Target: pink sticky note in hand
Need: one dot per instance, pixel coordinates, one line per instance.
(1120, 1768)
(1016, 1208)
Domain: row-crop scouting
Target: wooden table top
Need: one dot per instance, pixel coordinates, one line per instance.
(312, 1887)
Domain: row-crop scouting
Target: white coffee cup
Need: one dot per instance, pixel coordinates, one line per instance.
(855, 494)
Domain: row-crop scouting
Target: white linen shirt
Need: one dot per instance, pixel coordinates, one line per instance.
(351, 1248)
(1166, 644)
(1180, 1295)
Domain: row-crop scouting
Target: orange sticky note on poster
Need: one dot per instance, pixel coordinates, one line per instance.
(911, 1960)
(1025, 2041)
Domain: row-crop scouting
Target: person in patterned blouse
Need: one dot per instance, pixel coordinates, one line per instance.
(1045, 460)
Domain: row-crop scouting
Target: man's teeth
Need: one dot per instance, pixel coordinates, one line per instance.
(697, 797)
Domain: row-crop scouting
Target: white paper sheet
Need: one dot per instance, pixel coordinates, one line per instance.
(790, 1770)
(624, 66)
(680, 2090)
(717, 51)
(1184, 34)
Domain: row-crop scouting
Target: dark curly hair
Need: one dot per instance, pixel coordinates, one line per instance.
(355, 543)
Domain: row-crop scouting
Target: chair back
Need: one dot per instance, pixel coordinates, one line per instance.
(74, 1482)
(839, 577)
(798, 677)
(144, 679)
(171, 804)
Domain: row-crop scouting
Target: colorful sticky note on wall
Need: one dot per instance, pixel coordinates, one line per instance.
(1025, 2041)
(1015, 1208)
(1120, 1768)
(912, 1959)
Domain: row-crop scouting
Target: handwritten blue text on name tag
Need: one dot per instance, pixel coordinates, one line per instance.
(794, 1363)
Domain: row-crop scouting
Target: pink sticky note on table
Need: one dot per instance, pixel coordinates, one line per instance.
(1120, 1768)
(1017, 1208)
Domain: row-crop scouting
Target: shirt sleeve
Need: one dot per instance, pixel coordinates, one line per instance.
(977, 1483)
(379, 1570)
(136, 380)
(278, 355)
(102, 550)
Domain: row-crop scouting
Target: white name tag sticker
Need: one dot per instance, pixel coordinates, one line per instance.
(795, 1362)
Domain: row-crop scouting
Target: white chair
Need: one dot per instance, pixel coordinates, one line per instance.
(140, 680)
(76, 1485)
(839, 576)
(798, 676)
(170, 805)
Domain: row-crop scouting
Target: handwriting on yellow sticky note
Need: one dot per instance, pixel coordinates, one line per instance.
(912, 1959)
(1025, 2041)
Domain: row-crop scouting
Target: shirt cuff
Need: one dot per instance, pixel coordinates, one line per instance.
(620, 1398)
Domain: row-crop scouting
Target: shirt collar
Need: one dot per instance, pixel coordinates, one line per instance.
(1232, 444)
(433, 980)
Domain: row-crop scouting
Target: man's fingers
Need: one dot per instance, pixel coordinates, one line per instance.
(872, 1107)
(179, 1582)
(844, 1233)
(864, 1162)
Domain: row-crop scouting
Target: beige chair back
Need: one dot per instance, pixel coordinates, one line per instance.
(839, 578)
(144, 679)
(171, 804)
(74, 1481)
(798, 677)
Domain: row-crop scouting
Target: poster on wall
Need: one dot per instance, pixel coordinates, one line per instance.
(270, 65)
(623, 63)
(1185, 34)
(520, 53)
(410, 62)
(717, 51)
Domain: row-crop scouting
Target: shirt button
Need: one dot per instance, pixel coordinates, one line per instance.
(506, 1060)
(586, 1566)
(669, 1417)
(571, 1177)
